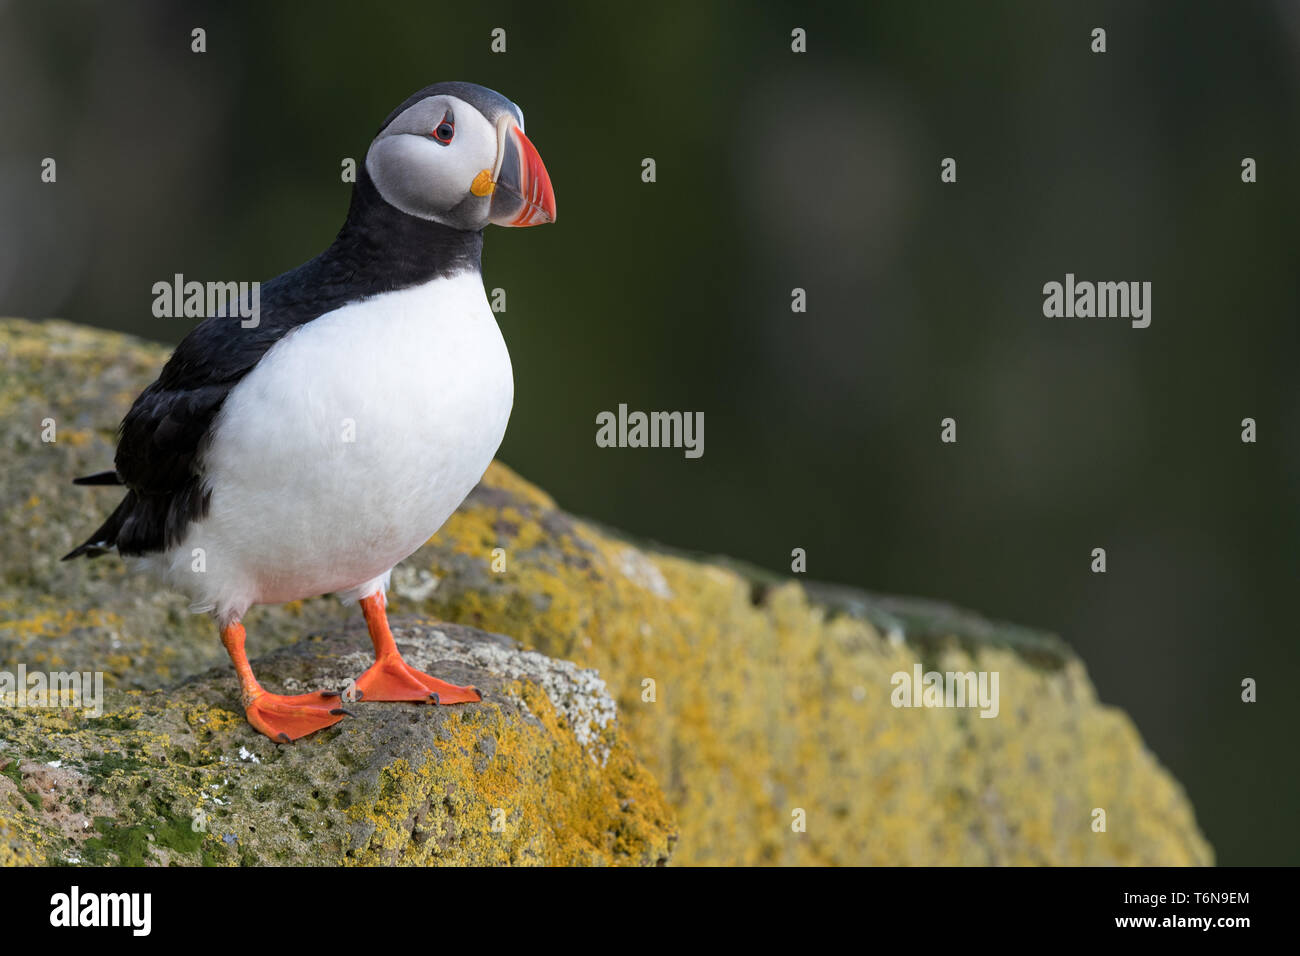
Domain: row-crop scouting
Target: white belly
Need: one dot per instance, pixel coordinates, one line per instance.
(347, 446)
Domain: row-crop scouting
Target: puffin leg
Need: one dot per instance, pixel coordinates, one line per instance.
(390, 677)
(283, 718)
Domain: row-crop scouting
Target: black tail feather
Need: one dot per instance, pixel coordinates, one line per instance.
(99, 478)
(105, 539)
(88, 550)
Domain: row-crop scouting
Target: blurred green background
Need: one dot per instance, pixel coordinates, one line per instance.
(818, 171)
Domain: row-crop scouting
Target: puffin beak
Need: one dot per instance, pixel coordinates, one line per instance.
(522, 193)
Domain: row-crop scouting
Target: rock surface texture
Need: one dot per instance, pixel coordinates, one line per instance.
(711, 707)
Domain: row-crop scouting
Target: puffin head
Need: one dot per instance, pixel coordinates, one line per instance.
(456, 153)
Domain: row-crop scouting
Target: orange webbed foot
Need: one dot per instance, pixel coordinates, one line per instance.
(285, 718)
(391, 678)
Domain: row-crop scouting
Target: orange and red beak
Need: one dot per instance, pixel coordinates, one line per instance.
(522, 193)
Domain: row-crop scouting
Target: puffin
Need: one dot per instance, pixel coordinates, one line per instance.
(309, 449)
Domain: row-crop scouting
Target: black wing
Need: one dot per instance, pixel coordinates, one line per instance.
(379, 249)
(162, 435)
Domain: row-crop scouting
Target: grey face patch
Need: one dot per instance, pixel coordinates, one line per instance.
(425, 177)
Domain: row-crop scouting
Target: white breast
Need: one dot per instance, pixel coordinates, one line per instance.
(347, 447)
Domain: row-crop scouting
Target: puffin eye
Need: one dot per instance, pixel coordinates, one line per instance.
(445, 130)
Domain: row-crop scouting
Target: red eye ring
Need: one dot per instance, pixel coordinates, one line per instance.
(445, 130)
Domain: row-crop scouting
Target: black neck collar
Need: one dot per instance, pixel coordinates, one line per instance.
(383, 248)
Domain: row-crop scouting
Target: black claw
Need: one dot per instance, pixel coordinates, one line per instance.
(340, 712)
(329, 693)
(433, 696)
(285, 738)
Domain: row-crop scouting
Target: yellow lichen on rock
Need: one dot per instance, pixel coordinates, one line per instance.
(451, 807)
(768, 705)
